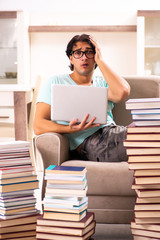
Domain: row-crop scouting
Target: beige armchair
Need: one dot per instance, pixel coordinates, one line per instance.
(109, 184)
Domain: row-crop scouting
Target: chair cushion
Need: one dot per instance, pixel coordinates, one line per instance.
(105, 178)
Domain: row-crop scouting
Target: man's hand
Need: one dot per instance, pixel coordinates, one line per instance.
(98, 55)
(76, 127)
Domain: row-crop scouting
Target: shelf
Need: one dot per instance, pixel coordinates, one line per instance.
(148, 13)
(8, 48)
(152, 46)
(8, 14)
(91, 28)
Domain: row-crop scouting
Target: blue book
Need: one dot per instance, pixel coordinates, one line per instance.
(66, 170)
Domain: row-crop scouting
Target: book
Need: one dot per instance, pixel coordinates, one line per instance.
(67, 186)
(24, 238)
(143, 158)
(17, 174)
(18, 234)
(147, 220)
(19, 215)
(16, 169)
(17, 193)
(146, 116)
(142, 103)
(143, 151)
(65, 182)
(19, 186)
(18, 228)
(132, 129)
(61, 223)
(147, 214)
(4, 202)
(65, 170)
(143, 136)
(14, 151)
(145, 207)
(147, 165)
(147, 172)
(145, 186)
(148, 200)
(147, 123)
(146, 111)
(64, 237)
(19, 221)
(143, 144)
(18, 179)
(14, 155)
(147, 180)
(15, 162)
(67, 192)
(144, 238)
(64, 216)
(70, 201)
(149, 227)
(65, 209)
(148, 192)
(145, 233)
(66, 230)
(65, 177)
(14, 144)
(16, 211)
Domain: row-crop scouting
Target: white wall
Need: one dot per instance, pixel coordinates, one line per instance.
(119, 51)
(48, 49)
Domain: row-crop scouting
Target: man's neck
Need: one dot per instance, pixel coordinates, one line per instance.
(82, 80)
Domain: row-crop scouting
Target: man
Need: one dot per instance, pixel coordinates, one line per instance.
(90, 141)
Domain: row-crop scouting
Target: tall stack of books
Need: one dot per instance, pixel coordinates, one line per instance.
(143, 150)
(65, 205)
(18, 213)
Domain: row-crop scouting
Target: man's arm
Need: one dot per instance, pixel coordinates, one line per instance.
(118, 88)
(42, 122)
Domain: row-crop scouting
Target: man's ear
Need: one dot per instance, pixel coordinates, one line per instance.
(70, 58)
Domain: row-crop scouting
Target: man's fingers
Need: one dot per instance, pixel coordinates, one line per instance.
(84, 124)
(73, 122)
(91, 123)
(84, 120)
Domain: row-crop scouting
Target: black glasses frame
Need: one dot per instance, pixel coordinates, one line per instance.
(82, 52)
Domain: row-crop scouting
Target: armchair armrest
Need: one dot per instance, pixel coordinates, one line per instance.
(53, 149)
(49, 149)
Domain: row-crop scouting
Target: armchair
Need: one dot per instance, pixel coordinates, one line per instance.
(109, 184)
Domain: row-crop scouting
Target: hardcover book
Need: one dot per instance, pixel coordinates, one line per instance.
(62, 223)
(65, 170)
(19, 221)
(66, 230)
(64, 237)
(64, 216)
(145, 233)
(70, 201)
(143, 103)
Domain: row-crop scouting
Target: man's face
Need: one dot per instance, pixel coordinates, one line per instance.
(83, 65)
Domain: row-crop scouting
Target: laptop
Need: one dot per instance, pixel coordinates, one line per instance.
(74, 101)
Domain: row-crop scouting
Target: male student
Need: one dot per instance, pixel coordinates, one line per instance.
(90, 141)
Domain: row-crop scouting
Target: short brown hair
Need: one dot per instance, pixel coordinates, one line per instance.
(73, 41)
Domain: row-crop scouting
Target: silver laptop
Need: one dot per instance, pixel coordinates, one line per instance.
(73, 101)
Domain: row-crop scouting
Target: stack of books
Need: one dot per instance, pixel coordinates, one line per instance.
(65, 205)
(18, 213)
(145, 111)
(143, 149)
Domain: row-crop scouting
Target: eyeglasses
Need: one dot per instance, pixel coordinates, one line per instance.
(78, 54)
